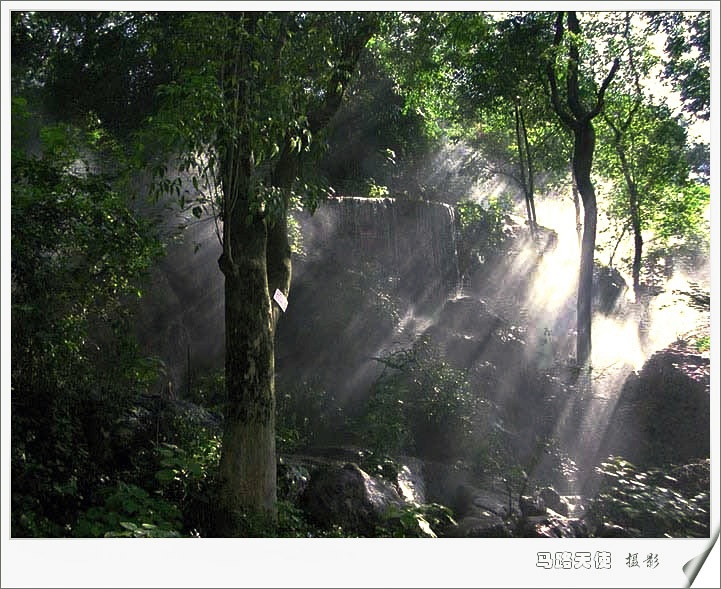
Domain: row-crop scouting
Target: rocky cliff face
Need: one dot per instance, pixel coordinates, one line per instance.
(364, 264)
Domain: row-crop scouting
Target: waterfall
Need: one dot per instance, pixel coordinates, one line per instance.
(367, 265)
(412, 242)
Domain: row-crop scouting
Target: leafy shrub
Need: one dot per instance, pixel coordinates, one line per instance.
(129, 511)
(306, 414)
(208, 390)
(185, 475)
(415, 521)
(671, 501)
(703, 343)
(481, 230)
(376, 190)
(79, 254)
(420, 403)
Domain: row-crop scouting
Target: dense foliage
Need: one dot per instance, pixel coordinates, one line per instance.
(668, 502)
(423, 405)
(260, 112)
(78, 255)
(480, 231)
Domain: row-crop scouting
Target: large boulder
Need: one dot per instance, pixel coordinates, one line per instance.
(347, 496)
(481, 513)
(609, 289)
(552, 500)
(663, 413)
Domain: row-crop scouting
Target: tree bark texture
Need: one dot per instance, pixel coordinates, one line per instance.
(525, 167)
(633, 204)
(256, 261)
(584, 141)
(248, 463)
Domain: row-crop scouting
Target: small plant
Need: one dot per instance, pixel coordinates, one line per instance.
(703, 344)
(129, 511)
(376, 190)
(415, 521)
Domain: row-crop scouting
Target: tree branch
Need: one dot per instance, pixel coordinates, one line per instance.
(553, 82)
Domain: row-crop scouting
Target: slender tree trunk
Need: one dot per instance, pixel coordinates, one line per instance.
(529, 165)
(615, 247)
(633, 203)
(524, 169)
(279, 263)
(578, 118)
(637, 242)
(582, 160)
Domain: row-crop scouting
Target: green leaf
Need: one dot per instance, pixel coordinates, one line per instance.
(129, 526)
(165, 475)
(195, 469)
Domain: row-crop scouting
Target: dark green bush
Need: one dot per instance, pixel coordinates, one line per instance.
(672, 501)
(78, 256)
(421, 404)
(415, 521)
(129, 511)
(306, 415)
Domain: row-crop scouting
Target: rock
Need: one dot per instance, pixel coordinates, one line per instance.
(483, 524)
(614, 531)
(442, 481)
(663, 413)
(491, 501)
(609, 287)
(469, 315)
(552, 500)
(293, 479)
(469, 499)
(531, 506)
(347, 496)
(557, 526)
(410, 481)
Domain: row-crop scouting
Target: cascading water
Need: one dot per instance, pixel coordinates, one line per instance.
(412, 242)
(367, 264)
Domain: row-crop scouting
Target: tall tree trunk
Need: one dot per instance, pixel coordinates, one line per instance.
(633, 203)
(529, 165)
(248, 464)
(637, 252)
(525, 169)
(247, 471)
(578, 119)
(582, 160)
(256, 261)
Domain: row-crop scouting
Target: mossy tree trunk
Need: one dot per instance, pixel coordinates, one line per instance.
(256, 261)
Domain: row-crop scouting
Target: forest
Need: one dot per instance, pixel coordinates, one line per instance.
(324, 274)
